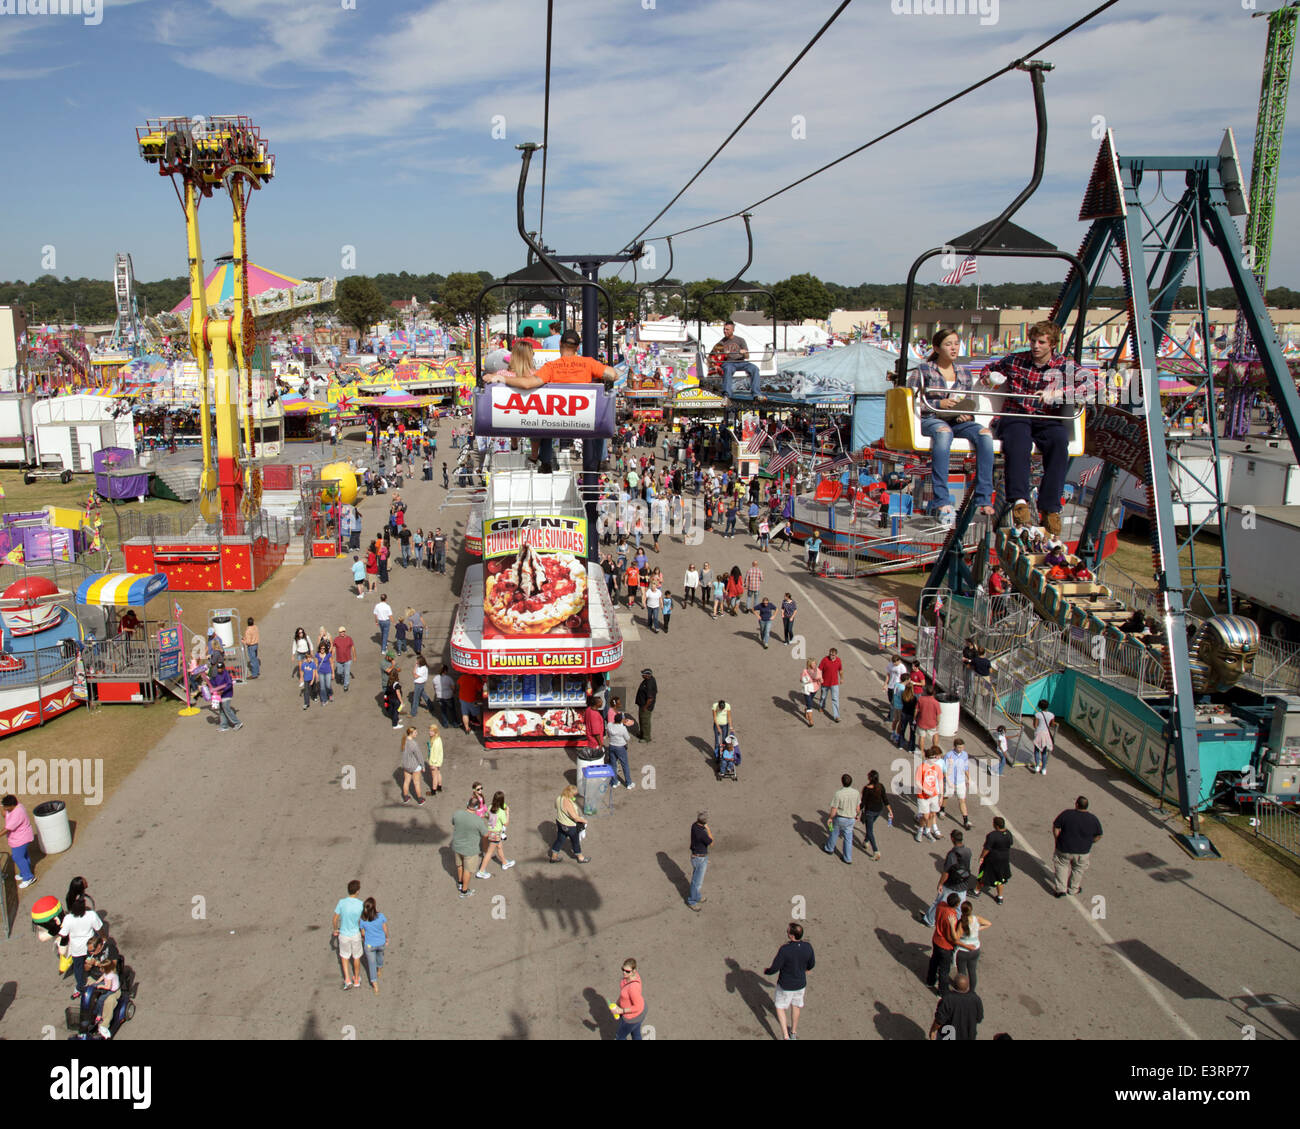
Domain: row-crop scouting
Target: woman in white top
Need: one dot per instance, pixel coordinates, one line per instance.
(689, 584)
(419, 679)
(968, 942)
(654, 599)
(80, 923)
(1044, 726)
(810, 681)
(300, 649)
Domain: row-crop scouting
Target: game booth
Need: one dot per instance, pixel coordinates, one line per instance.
(535, 620)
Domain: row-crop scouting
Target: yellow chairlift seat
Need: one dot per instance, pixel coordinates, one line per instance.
(903, 424)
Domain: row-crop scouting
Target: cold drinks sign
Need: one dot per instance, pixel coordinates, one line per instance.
(552, 409)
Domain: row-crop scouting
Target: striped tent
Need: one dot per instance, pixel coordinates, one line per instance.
(120, 589)
(219, 286)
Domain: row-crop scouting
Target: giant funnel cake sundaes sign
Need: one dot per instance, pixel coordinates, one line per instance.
(535, 577)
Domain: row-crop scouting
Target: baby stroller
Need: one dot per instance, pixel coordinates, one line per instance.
(729, 759)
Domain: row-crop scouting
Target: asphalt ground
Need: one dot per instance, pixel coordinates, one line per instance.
(218, 862)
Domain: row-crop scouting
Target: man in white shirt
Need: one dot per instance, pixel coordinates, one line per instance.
(654, 599)
(616, 738)
(956, 777)
(383, 617)
(444, 690)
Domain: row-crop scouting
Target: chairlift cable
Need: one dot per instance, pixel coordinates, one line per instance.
(757, 105)
(546, 119)
(1013, 65)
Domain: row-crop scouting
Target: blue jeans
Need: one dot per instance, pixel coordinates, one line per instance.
(227, 711)
(344, 671)
(615, 756)
(374, 960)
(1040, 756)
(787, 629)
(326, 687)
(869, 818)
(406, 553)
(440, 559)
(417, 640)
(940, 897)
(699, 864)
(1018, 435)
(630, 1028)
(720, 734)
(254, 665)
(731, 526)
(834, 692)
(22, 862)
(751, 599)
(764, 631)
(417, 696)
(941, 434)
(843, 828)
(652, 614)
(730, 368)
(384, 626)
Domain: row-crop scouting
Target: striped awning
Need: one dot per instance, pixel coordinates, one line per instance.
(121, 589)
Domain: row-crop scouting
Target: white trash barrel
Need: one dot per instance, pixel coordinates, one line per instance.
(50, 822)
(225, 628)
(949, 716)
(582, 778)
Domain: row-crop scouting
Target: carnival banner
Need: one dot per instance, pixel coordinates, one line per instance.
(535, 577)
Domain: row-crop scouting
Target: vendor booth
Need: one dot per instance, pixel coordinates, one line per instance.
(124, 666)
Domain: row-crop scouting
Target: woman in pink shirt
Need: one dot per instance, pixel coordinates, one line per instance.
(630, 1008)
(18, 828)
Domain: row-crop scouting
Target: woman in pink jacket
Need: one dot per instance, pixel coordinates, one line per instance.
(19, 830)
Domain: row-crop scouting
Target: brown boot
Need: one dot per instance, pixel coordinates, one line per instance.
(1052, 523)
(1020, 514)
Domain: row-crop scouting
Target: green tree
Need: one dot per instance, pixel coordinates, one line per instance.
(623, 294)
(717, 307)
(458, 293)
(359, 302)
(802, 296)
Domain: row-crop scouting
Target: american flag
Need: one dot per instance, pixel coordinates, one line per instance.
(967, 267)
(1089, 474)
(757, 440)
(833, 464)
(778, 462)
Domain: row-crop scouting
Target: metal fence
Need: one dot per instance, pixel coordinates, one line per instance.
(190, 526)
(1277, 823)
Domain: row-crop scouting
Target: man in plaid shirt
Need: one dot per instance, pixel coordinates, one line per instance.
(1041, 372)
(753, 584)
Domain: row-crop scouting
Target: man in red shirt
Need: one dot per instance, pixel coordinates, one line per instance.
(927, 719)
(830, 668)
(594, 722)
(943, 945)
(344, 652)
(470, 691)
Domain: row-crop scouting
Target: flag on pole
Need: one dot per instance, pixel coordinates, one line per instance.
(833, 464)
(1089, 474)
(778, 462)
(757, 440)
(954, 277)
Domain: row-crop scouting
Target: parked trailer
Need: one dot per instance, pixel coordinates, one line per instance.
(1263, 548)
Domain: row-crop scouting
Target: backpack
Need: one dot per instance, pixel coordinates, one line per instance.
(958, 875)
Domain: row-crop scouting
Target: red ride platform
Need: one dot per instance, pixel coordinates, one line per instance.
(234, 564)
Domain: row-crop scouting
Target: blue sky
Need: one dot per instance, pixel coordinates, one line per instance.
(381, 119)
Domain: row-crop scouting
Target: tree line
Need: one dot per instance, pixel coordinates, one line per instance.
(364, 300)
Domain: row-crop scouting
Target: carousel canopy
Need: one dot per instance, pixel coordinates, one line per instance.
(861, 369)
(219, 286)
(120, 589)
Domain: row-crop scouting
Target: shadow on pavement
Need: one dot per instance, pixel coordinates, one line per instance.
(674, 873)
(902, 894)
(1160, 968)
(753, 990)
(518, 1027)
(814, 834)
(602, 1019)
(912, 955)
(790, 704)
(891, 1025)
(566, 901)
(417, 828)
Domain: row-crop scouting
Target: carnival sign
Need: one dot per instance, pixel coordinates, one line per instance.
(552, 409)
(1120, 438)
(888, 625)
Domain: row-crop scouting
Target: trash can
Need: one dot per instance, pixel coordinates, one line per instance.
(949, 715)
(53, 831)
(225, 628)
(597, 787)
(585, 763)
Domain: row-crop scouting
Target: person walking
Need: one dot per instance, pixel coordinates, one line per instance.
(929, 794)
(689, 583)
(444, 691)
(374, 939)
(435, 755)
(569, 825)
(646, 695)
(1044, 732)
(943, 944)
(384, 619)
(415, 624)
(498, 817)
(439, 550)
(393, 696)
(412, 767)
(706, 587)
(967, 940)
(467, 831)
(347, 931)
(830, 669)
(667, 609)
(956, 773)
(701, 841)
(906, 718)
(80, 925)
(616, 738)
(252, 639)
(789, 609)
(654, 598)
(383, 551)
(927, 717)
(344, 653)
(720, 583)
(958, 1014)
(419, 680)
(372, 570)
(721, 726)
(359, 575)
(307, 677)
(765, 611)
(810, 682)
(18, 831)
(222, 684)
(875, 803)
(994, 868)
(843, 818)
(793, 961)
(630, 1008)
(469, 694)
(300, 648)
(753, 583)
(955, 878)
(895, 673)
(1075, 831)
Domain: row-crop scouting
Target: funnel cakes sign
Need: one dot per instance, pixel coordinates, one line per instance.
(535, 577)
